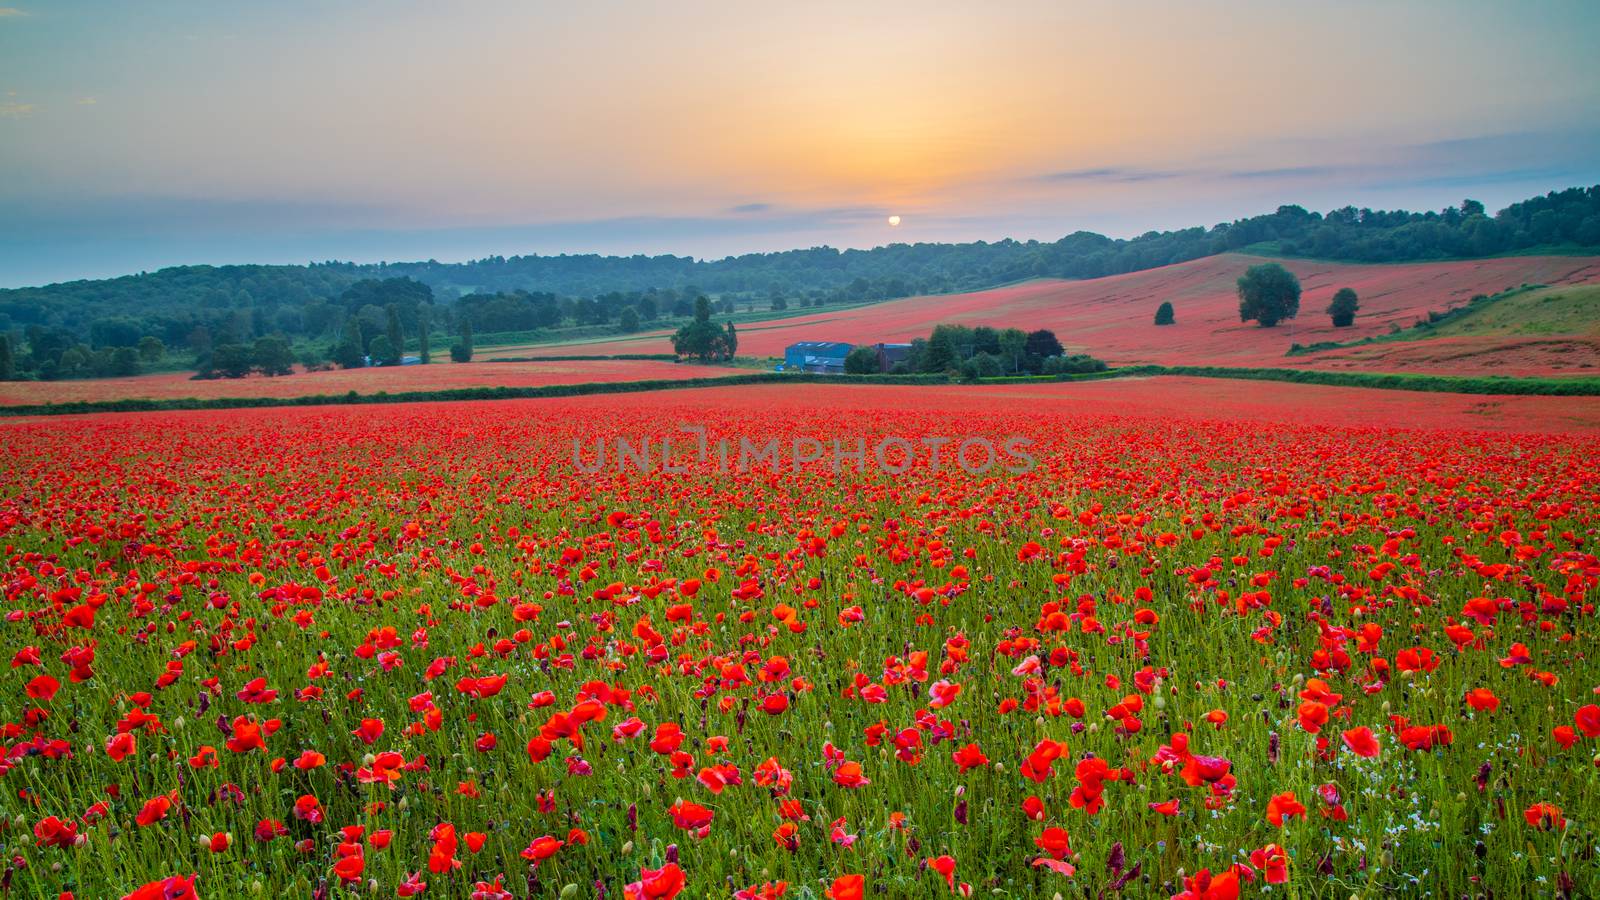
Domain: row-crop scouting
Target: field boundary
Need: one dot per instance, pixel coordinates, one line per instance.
(1448, 384)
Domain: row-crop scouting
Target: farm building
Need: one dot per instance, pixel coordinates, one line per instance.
(889, 355)
(816, 356)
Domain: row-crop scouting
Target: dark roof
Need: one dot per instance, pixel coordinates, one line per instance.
(820, 345)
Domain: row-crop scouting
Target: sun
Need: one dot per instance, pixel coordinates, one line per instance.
(894, 220)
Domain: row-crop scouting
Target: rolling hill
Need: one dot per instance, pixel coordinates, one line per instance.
(1112, 317)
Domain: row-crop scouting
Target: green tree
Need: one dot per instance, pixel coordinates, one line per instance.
(273, 356)
(397, 340)
(1268, 293)
(461, 350)
(349, 353)
(1013, 348)
(383, 352)
(1043, 344)
(1164, 314)
(74, 363)
(732, 337)
(861, 361)
(1343, 308)
(124, 362)
(151, 349)
(628, 322)
(8, 361)
(701, 339)
(941, 355)
(424, 325)
(231, 360)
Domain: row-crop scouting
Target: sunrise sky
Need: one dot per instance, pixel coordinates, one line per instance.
(138, 135)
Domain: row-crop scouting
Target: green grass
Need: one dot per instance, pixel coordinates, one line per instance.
(1569, 309)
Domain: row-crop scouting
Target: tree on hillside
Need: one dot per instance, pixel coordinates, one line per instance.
(1164, 314)
(861, 361)
(424, 325)
(272, 355)
(1268, 293)
(8, 362)
(349, 353)
(1343, 308)
(732, 339)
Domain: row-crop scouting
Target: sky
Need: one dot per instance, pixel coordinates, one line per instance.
(140, 135)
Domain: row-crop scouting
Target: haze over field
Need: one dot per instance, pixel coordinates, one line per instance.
(138, 136)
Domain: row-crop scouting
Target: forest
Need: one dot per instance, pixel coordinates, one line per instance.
(119, 326)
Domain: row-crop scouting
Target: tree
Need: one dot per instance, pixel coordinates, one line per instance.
(1013, 347)
(1043, 344)
(981, 365)
(732, 338)
(383, 352)
(941, 355)
(629, 320)
(397, 341)
(73, 362)
(272, 356)
(124, 362)
(151, 349)
(861, 361)
(231, 360)
(1343, 308)
(1164, 314)
(8, 362)
(461, 351)
(348, 353)
(424, 325)
(1268, 293)
(702, 339)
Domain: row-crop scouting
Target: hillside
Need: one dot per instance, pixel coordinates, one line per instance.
(1549, 331)
(1112, 317)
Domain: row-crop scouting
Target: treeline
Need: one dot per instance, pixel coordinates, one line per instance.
(979, 352)
(193, 308)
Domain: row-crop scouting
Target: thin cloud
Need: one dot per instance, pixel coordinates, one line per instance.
(11, 109)
(1111, 174)
(750, 208)
(11, 12)
(1287, 172)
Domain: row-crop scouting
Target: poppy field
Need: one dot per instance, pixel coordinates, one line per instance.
(420, 651)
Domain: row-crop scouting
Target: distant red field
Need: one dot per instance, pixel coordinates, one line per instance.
(1112, 317)
(439, 376)
(1468, 355)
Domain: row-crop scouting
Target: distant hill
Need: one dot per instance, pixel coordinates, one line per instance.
(1112, 317)
(193, 308)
